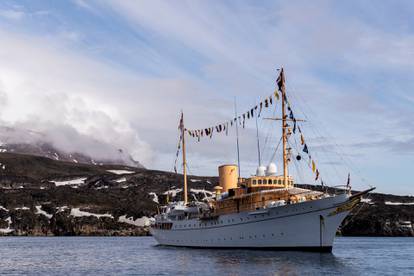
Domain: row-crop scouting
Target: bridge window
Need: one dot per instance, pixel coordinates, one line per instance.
(254, 182)
(264, 181)
(259, 181)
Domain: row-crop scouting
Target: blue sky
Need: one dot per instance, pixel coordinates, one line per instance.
(96, 75)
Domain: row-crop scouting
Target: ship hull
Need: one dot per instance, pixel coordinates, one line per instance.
(308, 225)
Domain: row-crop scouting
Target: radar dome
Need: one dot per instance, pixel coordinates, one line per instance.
(261, 171)
(271, 169)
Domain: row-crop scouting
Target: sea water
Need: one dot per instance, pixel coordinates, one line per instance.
(142, 256)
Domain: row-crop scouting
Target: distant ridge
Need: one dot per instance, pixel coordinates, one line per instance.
(25, 141)
(49, 151)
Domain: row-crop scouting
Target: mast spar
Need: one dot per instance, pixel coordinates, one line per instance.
(284, 126)
(184, 157)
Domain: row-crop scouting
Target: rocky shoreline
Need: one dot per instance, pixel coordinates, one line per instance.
(43, 197)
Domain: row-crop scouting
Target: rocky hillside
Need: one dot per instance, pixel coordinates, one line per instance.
(41, 196)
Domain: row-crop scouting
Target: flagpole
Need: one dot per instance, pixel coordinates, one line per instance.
(184, 158)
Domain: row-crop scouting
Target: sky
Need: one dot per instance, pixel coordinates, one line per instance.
(96, 76)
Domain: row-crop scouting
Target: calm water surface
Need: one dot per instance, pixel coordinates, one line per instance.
(141, 256)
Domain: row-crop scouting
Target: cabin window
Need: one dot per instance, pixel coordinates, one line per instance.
(275, 181)
(254, 182)
(264, 181)
(279, 181)
(259, 181)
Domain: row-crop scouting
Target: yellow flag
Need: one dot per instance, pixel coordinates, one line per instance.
(313, 166)
(276, 95)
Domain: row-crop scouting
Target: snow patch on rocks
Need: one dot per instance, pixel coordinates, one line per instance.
(8, 229)
(39, 211)
(120, 171)
(76, 212)
(61, 209)
(120, 180)
(144, 221)
(102, 187)
(76, 181)
(22, 208)
(398, 203)
(154, 197)
(173, 192)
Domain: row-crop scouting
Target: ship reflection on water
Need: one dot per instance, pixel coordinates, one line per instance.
(258, 262)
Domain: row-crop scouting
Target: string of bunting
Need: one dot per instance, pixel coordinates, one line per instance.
(251, 113)
(223, 128)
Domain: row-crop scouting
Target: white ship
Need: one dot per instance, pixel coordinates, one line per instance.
(265, 211)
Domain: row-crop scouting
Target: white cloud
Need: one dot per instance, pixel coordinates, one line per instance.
(12, 14)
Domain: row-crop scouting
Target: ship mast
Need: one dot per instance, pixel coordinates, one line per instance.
(284, 127)
(184, 158)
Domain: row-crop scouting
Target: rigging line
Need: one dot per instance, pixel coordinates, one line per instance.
(270, 133)
(316, 153)
(299, 171)
(324, 151)
(320, 154)
(334, 149)
(322, 146)
(344, 158)
(297, 151)
(307, 163)
(237, 136)
(277, 147)
(315, 129)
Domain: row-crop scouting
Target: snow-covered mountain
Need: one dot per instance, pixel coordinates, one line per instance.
(29, 142)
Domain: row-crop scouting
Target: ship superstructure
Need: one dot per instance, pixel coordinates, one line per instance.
(265, 210)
